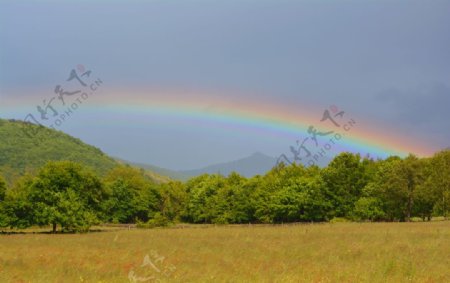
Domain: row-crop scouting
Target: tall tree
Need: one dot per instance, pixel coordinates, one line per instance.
(172, 201)
(345, 177)
(201, 206)
(67, 194)
(398, 182)
(438, 181)
(410, 172)
(15, 210)
(2, 189)
(229, 204)
(132, 196)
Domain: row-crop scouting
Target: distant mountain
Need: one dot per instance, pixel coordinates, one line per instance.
(256, 164)
(25, 147)
(172, 174)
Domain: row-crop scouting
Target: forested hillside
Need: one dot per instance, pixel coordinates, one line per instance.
(25, 147)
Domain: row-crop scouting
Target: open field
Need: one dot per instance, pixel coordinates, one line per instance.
(340, 252)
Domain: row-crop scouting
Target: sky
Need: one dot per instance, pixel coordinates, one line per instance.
(184, 84)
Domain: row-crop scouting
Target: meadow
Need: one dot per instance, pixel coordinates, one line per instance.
(329, 252)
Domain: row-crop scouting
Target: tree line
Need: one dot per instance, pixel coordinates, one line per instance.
(70, 197)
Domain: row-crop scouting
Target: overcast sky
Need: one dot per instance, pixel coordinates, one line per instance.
(386, 61)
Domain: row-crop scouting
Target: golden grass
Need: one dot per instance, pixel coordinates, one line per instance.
(341, 252)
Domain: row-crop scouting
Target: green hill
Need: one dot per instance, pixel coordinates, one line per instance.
(24, 147)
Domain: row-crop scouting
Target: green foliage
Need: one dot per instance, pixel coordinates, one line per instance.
(16, 210)
(437, 182)
(351, 188)
(26, 147)
(2, 189)
(67, 194)
(291, 194)
(201, 191)
(345, 177)
(339, 220)
(397, 184)
(158, 220)
(132, 196)
(216, 199)
(368, 208)
(72, 213)
(172, 202)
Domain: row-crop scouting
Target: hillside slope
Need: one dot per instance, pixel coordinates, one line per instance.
(25, 147)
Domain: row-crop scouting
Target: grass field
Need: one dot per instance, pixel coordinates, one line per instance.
(340, 252)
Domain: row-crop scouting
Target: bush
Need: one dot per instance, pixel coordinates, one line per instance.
(339, 220)
(158, 220)
(367, 208)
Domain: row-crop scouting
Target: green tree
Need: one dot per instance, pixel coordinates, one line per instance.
(425, 197)
(264, 196)
(377, 189)
(397, 185)
(291, 193)
(2, 189)
(231, 201)
(345, 177)
(368, 208)
(122, 202)
(132, 196)
(67, 194)
(200, 207)
(173, 200)
(4, 221)
(438, 182)
(16, 210)
(407, 178)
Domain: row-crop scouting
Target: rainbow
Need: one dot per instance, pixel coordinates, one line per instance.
(243, 114)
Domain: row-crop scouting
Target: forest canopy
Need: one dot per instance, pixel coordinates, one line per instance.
(74, 197)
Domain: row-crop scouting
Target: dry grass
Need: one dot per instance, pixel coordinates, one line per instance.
(341, 252)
